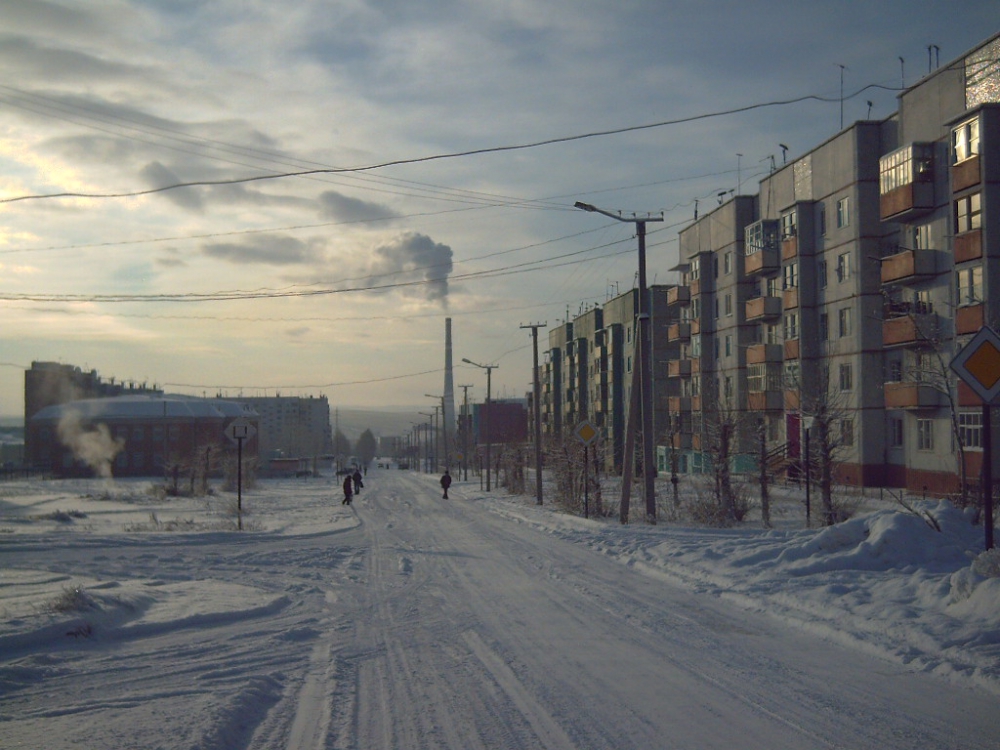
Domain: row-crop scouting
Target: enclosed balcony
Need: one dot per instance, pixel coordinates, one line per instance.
(911, 396)
(679, 332)
(766, 400)
(763, 308)
(679, 368)
(907, 330)
(760, 353)
(965, 174)
(677, 404)
(760, 247)
(906, 182)
(907, 266)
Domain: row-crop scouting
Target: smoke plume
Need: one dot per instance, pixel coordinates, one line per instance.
(95, 447)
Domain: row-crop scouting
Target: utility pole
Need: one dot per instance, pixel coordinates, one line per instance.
(644, 344)
(538, 409)
(489, 371)
(465, 432)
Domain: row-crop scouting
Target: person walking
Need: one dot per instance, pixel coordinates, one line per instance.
(446, 483)
(358, 484)
(348, 490)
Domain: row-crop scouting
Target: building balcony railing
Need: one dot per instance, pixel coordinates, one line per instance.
(763, 308)
(793, 400)
(790, 299)
(761, 353)
(764, 261)
(968, 246)
(969, 319)
(678, 368)
(682, 440)
(677, 404)
(789, 248)
(907, 201)
(908, 265)
(695, 326)
(906, 330)
(679, 332)
(792, 349)
(678, 295)
(911, 396)
(965, 174)
(766, 400)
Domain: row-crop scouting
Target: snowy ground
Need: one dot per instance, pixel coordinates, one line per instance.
(408, 621)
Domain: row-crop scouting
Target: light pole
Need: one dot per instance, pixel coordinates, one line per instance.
(427, 450)
(645, 361)
(466, 424)
(489, 371)
(444, 433)
(538, 410)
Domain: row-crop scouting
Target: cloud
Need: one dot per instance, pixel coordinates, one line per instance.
(415, 257)
(275, 250)
(157, 176)
(334, 205)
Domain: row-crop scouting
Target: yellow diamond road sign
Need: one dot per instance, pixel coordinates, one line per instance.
(978, 364)
(585, 432)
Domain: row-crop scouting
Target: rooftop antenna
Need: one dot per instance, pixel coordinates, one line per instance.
(842, 69)
(739, 174)
(721, 197)
(784, 153)
(869, 115)
(696, 209)
(902, 72)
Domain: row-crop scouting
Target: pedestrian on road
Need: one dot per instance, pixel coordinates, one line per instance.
(358, 484)
(446, 483)
(348, 491)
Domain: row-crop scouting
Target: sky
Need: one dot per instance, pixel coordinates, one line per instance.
(486, 621)
(436, 151)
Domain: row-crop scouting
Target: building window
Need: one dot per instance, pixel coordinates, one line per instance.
(847, 432)
(843, 267)
(969, 285)
(729, 305)
(790, 276)
(846, 377)
(925, 434)
(790, 374)
(905, 166)
(844, 323)
(895, 433)
(894, 371)
(821, 274)
(843, 212)
(727, 390)
(923, 304)
(922, 237)
(729, 345)
(965, 140)
(824, 327)
(822, 220)
(970, 428)
(789, 225)
(728, 263)
(968, 213)
(791, 326)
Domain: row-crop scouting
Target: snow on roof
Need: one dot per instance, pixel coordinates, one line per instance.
(147, 406)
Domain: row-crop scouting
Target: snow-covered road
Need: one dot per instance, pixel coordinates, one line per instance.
(413, 622)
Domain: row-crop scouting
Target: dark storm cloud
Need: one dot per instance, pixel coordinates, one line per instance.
(342, 207)
(412, 256)
(272, 250)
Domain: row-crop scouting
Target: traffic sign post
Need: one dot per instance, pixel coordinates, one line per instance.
(586, 433)
(240, 429)
(978, 364)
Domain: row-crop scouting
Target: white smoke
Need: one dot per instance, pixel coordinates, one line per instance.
(95, 447)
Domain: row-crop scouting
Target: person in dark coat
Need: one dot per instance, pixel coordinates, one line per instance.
(348, 491)
(357, 482)
(446, 483)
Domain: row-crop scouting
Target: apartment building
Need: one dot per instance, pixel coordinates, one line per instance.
(841, 291)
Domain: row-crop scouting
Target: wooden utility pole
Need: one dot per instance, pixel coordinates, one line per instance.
(538, 410)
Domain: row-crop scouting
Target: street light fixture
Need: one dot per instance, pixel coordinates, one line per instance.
(489, 371)
(645, 361)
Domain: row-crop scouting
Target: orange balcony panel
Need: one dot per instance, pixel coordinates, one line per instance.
(792, 349)
(678, 295)
(789, 248)
(762, 261)
(907, 265)
(695, 287)
(790, 299)
(907, 329)
(910, 396)
(967, 396)
(968, 246)
(969, 319)
(760, 308)
(907, 201)
(965, 174)
(677, 404)
(765, 400)
(696, 442)
(679, 368)
(760, 353)
(696, 326)
(682, 440)
(696, 403)
(679, 331)
(792, 400)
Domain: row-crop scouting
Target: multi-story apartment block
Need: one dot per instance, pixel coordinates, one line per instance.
(845, 287)
(292, 426)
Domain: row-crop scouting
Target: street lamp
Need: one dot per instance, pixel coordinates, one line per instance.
(489, 371)
(645, 361)
(444, 433)
(427, 450)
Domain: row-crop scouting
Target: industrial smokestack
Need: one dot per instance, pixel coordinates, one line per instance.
(449, 388)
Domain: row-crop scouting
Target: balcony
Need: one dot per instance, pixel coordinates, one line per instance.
(969, 319)
(792, 349)
(967, 396)
(765, 400)
(761, 353)
(679, 332)
(682, 440)
(763, 308)
(965, 174)
(906, 182)
(911, 396)
(679, 368)
(910, 329)
(908, 265)
(907, 201)
(792, 400)
(968, 246)
(677, 404)
(678, 295)
(696, 326)
(764, 261)
(790, 299)
(789, 248)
